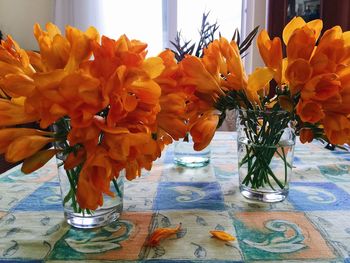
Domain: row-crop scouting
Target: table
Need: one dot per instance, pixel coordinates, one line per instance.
(312, 225)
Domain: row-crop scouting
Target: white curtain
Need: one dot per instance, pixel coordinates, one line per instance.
(138, 19)
(78, 13)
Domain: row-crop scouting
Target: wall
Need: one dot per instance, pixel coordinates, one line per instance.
(254, 14)
(17, 18)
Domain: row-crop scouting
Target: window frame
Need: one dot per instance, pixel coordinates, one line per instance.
(253, 13)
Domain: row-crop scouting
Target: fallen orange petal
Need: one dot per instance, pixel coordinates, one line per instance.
(162, 233)
(222, 235)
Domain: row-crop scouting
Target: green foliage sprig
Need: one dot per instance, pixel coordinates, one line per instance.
(207, 34)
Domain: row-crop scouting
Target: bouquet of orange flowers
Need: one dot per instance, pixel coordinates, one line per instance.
(311, 97)
(112, 108)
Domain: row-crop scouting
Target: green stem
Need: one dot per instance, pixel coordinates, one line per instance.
(115, 183)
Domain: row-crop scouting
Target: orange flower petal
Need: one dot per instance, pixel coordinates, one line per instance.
(310, 111)
(257, 81)
(337, 128)
(298, 72)
(203, 131)
(306, 135)
(222, 235)
(37, 160)
(316, 25)
(153, 66)
(10, 134)
(74, 159)
(16, 85)
(270, 50)
(13, 114)
(25, 146)
(301, 44)
(295, 23)
(197, 75)
(162, 233)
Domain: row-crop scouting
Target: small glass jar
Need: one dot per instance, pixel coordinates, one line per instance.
(185, 155)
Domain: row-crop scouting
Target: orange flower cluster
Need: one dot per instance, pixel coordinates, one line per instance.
(318, 71)
(219, 71)
(121, 106)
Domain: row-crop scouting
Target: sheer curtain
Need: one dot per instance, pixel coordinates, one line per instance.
(79, 13)
(138, 19)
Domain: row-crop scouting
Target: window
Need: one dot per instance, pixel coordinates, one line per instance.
(156, 22)
(226, 12)
(137, 19)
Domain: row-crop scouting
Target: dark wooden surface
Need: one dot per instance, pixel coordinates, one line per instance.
(4, 166)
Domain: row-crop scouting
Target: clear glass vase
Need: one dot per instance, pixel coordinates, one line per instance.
(185, 155)
(265, 144)
(75, 216)
(103, 215)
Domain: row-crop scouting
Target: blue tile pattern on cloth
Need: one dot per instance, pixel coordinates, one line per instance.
(336, 172)
(318, 196)
(46, 197)
(20, 260)
(297, 161)
(342, 154)
(189, 195)
(32, 228)
(169, 156)
(188, 261)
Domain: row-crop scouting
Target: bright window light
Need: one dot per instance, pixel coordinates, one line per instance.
(137, 19)
(227, 13)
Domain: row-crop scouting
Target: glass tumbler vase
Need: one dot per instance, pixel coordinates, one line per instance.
(265, 144)
(107, 213)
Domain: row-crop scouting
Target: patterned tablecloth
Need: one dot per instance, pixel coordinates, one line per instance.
(312, 225)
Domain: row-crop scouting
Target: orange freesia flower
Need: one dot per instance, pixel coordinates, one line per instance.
(58, 52)
(299, 23)
(203, 130)
(301, 44)
(13, 114)
(132, 151)
(112, 54)
(298, 73)
(174, 99)
(332, 51)
(300, 39)
(162, 233)
(88, 136)
(8, 135)
(258, 81)
(310, 111)
(13, 59)
(25, 146)
(95, 178)
(337, 128)
(271, 53)
(222, 235)
(321, 87)
(306, 135)
(75, 158)
(17, 85)
(197, 75)
(37, 160)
